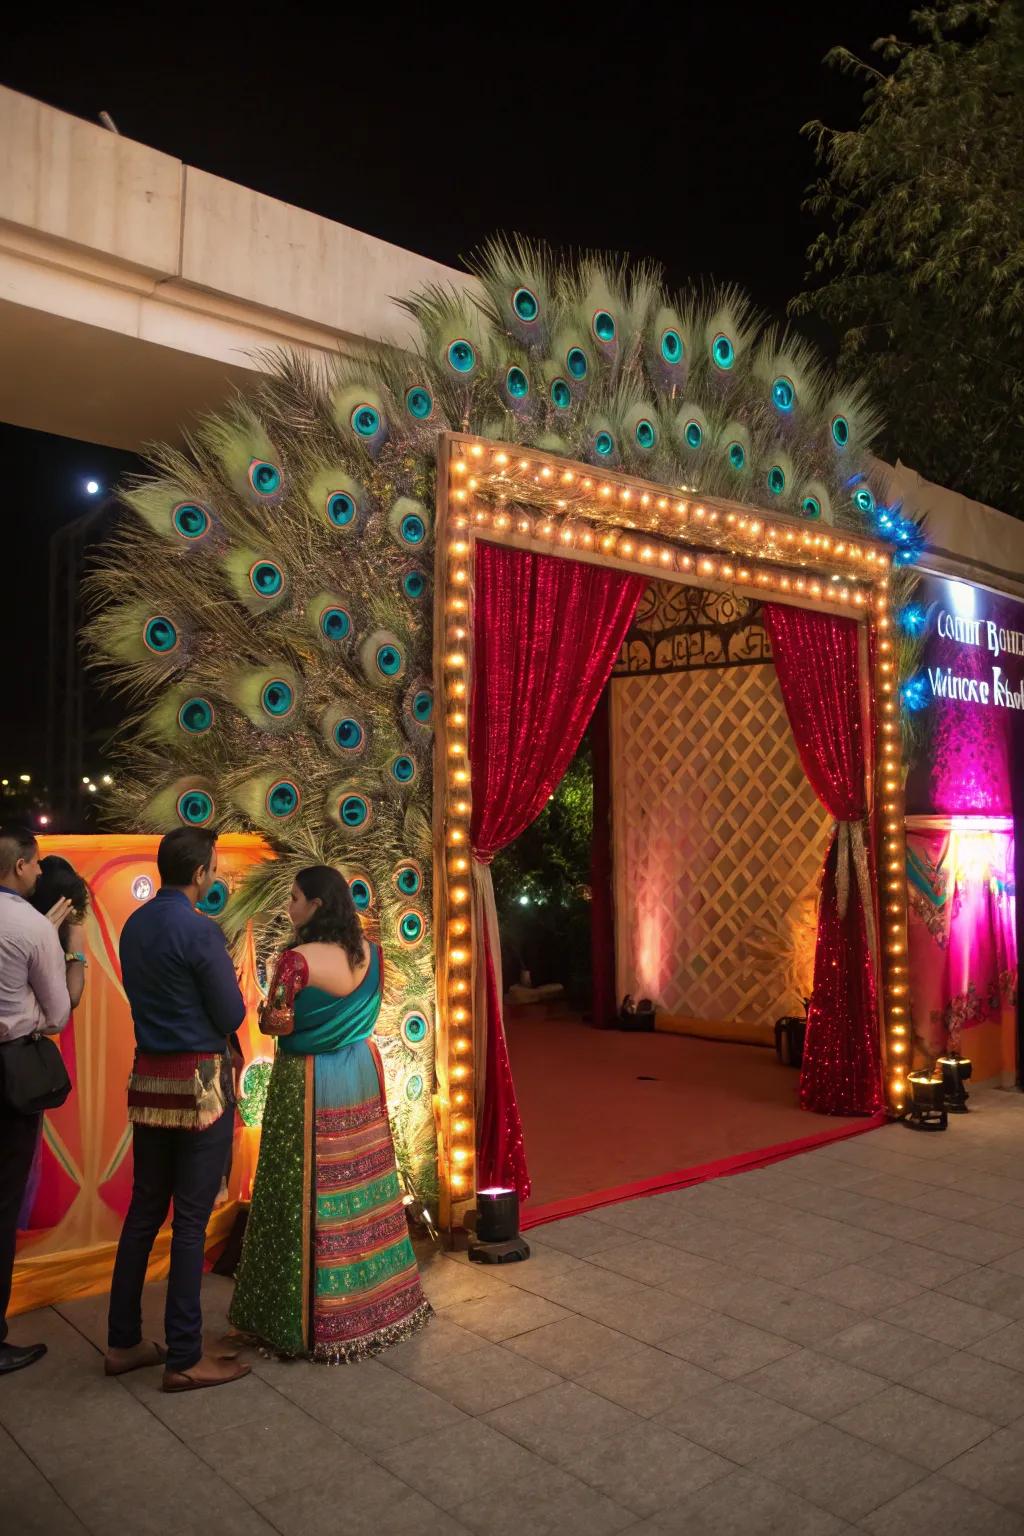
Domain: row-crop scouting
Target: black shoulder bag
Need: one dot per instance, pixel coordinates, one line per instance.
(33, 1076)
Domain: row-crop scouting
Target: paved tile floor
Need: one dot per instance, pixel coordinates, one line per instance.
(832, 1344)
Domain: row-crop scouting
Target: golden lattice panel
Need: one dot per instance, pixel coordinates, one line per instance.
(718, 841)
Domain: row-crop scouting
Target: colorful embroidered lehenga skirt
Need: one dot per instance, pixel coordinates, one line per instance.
(328, 1268)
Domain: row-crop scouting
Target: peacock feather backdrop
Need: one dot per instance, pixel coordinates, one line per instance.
(266, 606)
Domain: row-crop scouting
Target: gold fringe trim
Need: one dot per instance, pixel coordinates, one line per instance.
(375, 1343)
(186, 1086)
(191, 1119)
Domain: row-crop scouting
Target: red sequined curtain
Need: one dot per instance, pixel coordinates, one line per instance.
(603, 1005)
(546, 632)
(816, 659)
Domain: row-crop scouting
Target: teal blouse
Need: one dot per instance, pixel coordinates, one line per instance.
(325, 1023)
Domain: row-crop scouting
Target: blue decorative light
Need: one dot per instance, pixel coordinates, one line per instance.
(911, 619)
(916, 692)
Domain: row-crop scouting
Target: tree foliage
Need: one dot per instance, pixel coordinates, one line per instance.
(920, 261)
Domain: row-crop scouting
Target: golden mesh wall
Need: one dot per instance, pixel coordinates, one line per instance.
(718, 842)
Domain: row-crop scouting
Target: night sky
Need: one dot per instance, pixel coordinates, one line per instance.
(676, 140)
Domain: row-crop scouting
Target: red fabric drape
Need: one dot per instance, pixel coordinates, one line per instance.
(816, 659)
(602, 907)
(546, 632)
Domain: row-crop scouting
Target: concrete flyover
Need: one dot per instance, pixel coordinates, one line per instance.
(136, 291)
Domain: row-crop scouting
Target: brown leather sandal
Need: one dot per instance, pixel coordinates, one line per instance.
(185, 1381)
(154, 1354)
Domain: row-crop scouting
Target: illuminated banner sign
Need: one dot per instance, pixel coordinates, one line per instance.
(967, 694)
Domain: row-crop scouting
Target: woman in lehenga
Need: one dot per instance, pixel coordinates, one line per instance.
(327, 1269)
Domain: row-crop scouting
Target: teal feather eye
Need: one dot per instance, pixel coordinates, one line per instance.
(335, 624)
(561, 395)
(864, 501)
(412, 529)
(723, 353)
(410, 928)
(526, 305)
(414, 584)
(389, 660)
(693, 435)
(196, 716)
(517, 384)
(810, 506)
(604, 445)
(191, 521)
(215, 900)
(783, 394)
(195, 807)
(737, 456)
(461, 356)
(403, 769)
(408, 879)
(266, 578)
(603, 326)
(840, 431)
(277, 698)
(672, 347)
(776, 479)
(419, 402)
(354, 811)
(646, 434)
(160, 635)
(414, 1087)
(349, 735)
(266, 479)
(341, 508)
(362, 893)
(365, 420)
(283, 799)
(577, 362)
(423, 706)
(414, 1029)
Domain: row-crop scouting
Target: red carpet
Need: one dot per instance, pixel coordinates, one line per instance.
(591, 1123)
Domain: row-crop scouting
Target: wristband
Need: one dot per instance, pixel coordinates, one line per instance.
(71, 957)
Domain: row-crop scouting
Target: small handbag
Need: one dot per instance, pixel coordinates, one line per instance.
(34, 1076)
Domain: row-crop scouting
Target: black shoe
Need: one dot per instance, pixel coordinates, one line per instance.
(15, 1357)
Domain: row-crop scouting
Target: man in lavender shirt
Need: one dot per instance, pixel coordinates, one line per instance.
(34, 999)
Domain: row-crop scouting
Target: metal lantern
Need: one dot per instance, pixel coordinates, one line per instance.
(927, 1111)
(956, 1070)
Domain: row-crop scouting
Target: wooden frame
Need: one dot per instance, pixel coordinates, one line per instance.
(538, 501)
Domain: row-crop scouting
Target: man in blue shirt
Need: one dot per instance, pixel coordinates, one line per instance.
(186, 1006)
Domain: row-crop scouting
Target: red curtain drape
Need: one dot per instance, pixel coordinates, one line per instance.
(546, 632)
(602, 907)
(816, 660)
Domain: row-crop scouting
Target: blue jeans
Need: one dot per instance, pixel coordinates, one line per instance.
(186, 1167)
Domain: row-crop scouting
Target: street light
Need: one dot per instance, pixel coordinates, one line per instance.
(92, 486)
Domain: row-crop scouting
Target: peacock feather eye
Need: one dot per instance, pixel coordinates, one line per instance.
(810, 506)
(423, 706)
(864, 501)
(266, 578)
(646, 434)
(283, 799)
(389, 660)
(414, 1029)
(577, 362)
(413, 1087)
(413, 529)
(160, 635)
(354, 811)
(191, 521)
(517, 384)
(419, 402)
(402, 769)
(414, 584)
(776, 480)
(461, 356)
(266, 479)
(737, 456)
(341, 508)
(277, 698)
(349, 735)
(408, 879)
(603, 325)
(410, 928)
(783, 393)
(671, 347)
(196, 716)
(362, 893)
(723, 353)
(195, 807)
(693, 434)
(840, 431)
(561, 395)
(604, 445)
(215, 900)
(526, 305)
(365, 420)
(335, 624)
